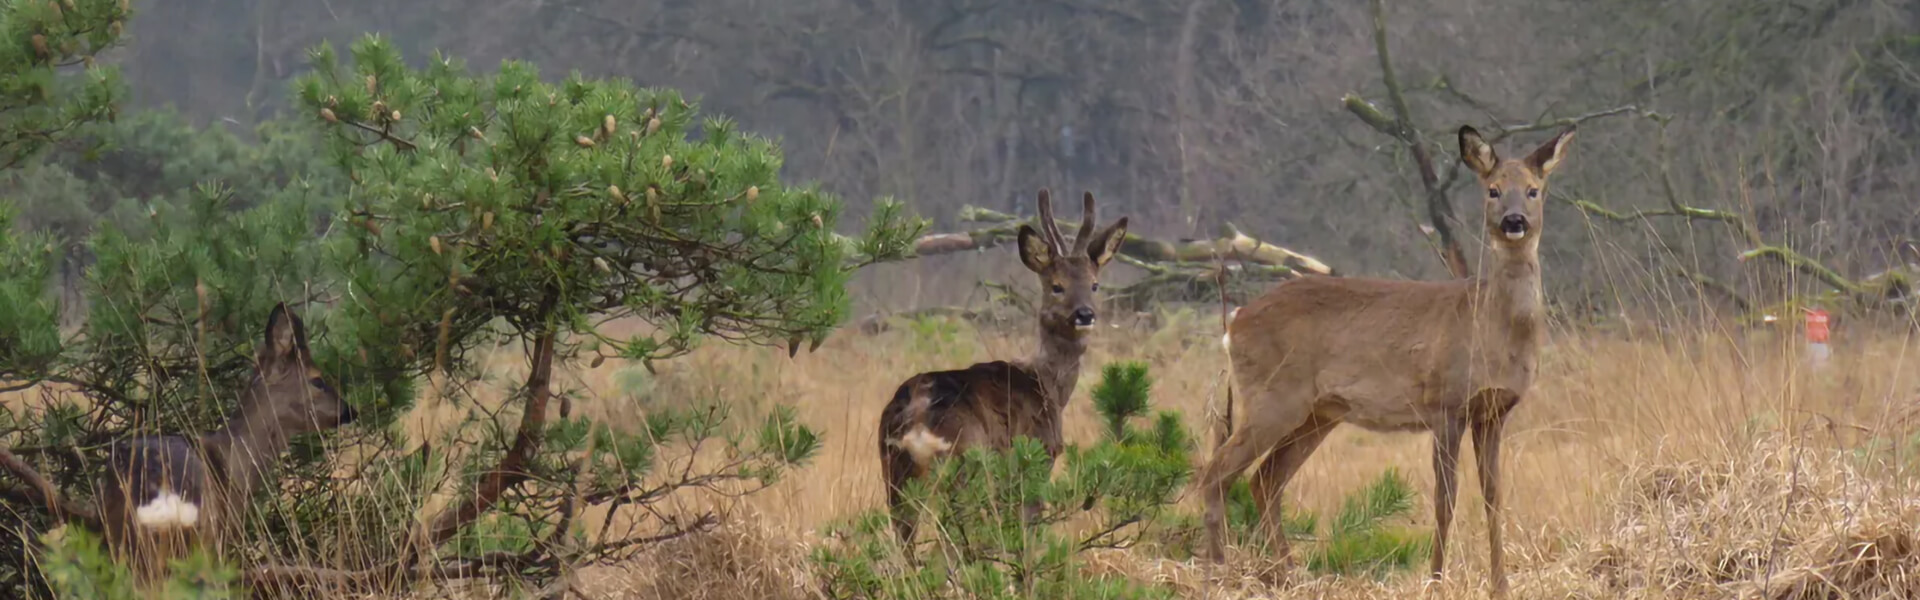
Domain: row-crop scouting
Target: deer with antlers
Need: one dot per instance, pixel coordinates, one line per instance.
(1387, 355)
(990, 404)
(162, 494)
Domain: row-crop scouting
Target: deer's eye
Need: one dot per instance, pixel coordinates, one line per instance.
(1059, 289)
(318, 382)
(1493, 193)
(1533, 193)
(1096, 287)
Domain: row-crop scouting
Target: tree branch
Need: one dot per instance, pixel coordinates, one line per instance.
(46, 495)
(1787, 257)
(1439, 209)
(1505, 131)
(1744, 229)
(511, 469)
(1232, 244)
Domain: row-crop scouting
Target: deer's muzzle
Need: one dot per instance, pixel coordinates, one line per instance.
(1514, 226)
(1083, 318)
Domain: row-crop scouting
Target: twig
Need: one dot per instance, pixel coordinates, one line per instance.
(1089, 542)
(384, 134)
(705, 522)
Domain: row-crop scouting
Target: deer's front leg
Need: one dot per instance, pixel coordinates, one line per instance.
(1486, 452)
(1446, 462)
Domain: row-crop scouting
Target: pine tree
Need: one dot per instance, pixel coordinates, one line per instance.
(38, 40)
(38, 106)
(482, 211)
(507, 207)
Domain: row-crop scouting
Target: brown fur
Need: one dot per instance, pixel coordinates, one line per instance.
(987, 405)
(218, 471)
(1388, 355)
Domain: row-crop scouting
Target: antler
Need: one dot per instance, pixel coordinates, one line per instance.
(1049, 229)
(1086, 225)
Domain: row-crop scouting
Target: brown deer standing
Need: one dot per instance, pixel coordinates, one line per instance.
(163, 494)
(1390, 355)
(989, 404)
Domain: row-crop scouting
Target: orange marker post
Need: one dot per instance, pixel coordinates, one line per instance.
(1817, 350)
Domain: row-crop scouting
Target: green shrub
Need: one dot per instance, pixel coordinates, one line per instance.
(1361, 539)
(77, 566)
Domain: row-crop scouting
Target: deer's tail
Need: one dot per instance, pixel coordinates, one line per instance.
(1223, 413)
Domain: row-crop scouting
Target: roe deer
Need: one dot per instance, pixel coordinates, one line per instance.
(1388, 355)
(164, 493)
(989, 404)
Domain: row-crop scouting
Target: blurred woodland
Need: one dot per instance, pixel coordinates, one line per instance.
(1716, 132)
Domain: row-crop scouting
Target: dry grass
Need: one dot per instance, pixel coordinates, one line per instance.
(1706, 466)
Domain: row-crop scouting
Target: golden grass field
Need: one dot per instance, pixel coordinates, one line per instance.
(1645, 465)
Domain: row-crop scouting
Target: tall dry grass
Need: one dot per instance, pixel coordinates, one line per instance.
(1705, 464)
(1647, 464)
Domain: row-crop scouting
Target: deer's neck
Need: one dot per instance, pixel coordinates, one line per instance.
(1510, 296)
(244, 451)
(1058, 364)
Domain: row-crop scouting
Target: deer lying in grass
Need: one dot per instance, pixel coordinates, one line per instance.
(989, 404)
(163, 494)
(1389, 355)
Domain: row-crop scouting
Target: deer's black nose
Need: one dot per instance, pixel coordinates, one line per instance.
(1514, 225)
(346, 413)
(1083, 317)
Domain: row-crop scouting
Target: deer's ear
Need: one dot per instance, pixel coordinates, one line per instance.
(1034, 251)
(1107, 242)
(286, 335)
(1476, 153)
(1548, 155)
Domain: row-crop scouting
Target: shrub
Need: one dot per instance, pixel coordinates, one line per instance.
(77, 567)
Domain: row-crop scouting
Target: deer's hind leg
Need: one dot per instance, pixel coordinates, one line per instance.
(1270, 480)
(1271, 416)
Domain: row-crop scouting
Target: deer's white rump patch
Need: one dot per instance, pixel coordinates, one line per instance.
(166, 511)
(922, 444)
(1226, 339)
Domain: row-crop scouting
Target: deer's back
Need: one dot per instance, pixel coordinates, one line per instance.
(1369, 351)
(987, 404)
